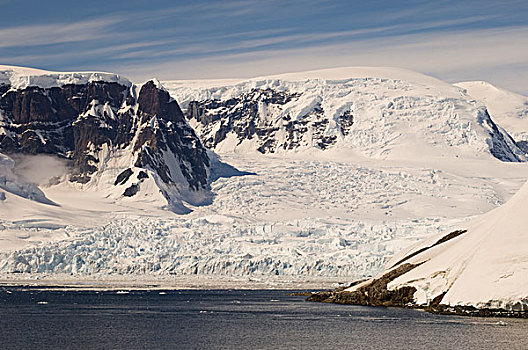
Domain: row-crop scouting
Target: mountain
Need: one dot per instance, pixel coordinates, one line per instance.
(508, 109)
(420, 157)
(117, 138)
(377, 112)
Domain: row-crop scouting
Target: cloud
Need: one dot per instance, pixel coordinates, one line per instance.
(214, 44)
(457, 55)
(215, 39)
(36, 35)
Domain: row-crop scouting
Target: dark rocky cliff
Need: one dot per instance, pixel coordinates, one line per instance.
(246, 117)
(76, 121)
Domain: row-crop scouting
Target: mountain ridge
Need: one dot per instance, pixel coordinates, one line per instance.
(89, 118)
(378, 112)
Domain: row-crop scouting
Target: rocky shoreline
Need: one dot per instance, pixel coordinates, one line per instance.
(375, 293)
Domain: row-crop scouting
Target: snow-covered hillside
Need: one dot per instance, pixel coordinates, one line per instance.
(485, 265)
(508, 109)
(383, 113)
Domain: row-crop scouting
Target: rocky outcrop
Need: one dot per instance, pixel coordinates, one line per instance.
(250, 117)
(373, 293)
(90, 122)
(376, 293)
(501, 145)
(168, 132)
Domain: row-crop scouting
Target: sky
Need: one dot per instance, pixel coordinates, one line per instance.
(452, 40)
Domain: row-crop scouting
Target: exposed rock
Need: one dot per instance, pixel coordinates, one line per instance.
(131, 191)
(169, 132)
(85, 123)
(523, 145)
(473, 311)
(247, 117)
(123, 177)
(374, 293)
(142, 175)
(502, 146)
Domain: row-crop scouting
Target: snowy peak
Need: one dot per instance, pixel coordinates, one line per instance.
(377, 112)
(508, 109)
(108, 131)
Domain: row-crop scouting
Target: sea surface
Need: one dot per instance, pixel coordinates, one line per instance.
(233, 319)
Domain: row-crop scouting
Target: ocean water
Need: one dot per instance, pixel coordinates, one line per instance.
(233, 319)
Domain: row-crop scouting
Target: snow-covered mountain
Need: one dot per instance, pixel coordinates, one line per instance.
(119, 139)
(331, 197)
(508, 109)
(377, 112)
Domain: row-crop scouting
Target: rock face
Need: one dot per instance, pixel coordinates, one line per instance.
(247, 117)
(92, 122)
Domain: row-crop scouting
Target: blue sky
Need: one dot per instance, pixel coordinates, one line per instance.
(453, 40)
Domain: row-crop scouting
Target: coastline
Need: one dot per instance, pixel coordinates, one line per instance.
(403, 298)
(197, 282)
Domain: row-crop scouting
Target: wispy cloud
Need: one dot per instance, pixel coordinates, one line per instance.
(207, 38)
(214, 45)
(457, 55)
(86, 53)
(56, 33)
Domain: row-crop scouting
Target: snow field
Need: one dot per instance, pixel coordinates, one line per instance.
(288, 217)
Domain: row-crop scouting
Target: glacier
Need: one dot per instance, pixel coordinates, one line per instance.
(421, 157)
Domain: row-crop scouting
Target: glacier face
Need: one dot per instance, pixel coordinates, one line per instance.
(219, 245)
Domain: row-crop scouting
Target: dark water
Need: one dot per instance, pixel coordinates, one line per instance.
(233, 320)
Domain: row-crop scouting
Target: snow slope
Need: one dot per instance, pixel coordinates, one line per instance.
(508, 109)
(486, 267)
